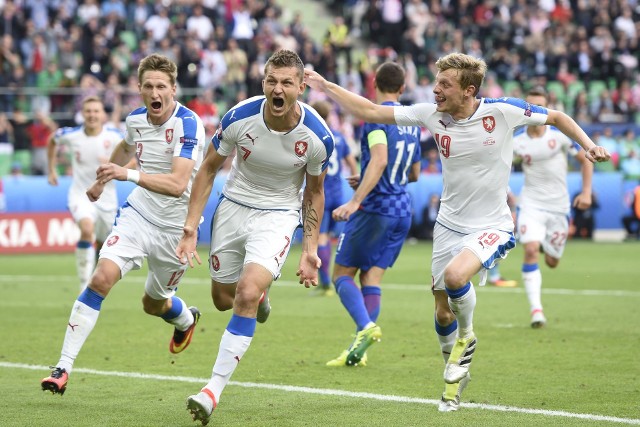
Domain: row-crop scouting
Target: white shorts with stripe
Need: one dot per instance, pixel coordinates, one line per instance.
(81, 207)
(241, 235)
(551, 229)
(488, 245)
(133, 239)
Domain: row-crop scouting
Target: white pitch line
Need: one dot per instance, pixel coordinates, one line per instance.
(391, 286)
(332, 392)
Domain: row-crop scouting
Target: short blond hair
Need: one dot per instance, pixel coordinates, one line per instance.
(157, 62)
(472, 70)
(92, 98)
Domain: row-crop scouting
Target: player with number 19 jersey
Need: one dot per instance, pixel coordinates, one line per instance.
(269, 168)
(476, 155)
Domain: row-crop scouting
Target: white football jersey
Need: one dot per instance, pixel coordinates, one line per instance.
(156, 145)
(476, 155)
(269, 168)
(544, 162)
(87, 153)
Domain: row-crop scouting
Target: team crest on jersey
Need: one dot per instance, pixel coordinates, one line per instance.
(301, 148)
(168, 135)
(219, 132)
(489, 123)
(552, 143)
(215, 263)
(113, 240)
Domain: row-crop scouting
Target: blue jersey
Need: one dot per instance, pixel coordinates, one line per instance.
(333, 179)
(389, 196)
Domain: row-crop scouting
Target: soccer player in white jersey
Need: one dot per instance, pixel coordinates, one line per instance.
(90, 145)
(280, 143)
(543, 206)
(168, 140)
(474, 226)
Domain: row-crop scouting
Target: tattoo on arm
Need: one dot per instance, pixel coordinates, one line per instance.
(309, 219)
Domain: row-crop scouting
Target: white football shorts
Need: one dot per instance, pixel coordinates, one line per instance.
(551, 229)
(133, 239)
(81, 207)
(242, 235)
(488, 245)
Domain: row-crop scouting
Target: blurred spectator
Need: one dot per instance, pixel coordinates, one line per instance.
(199, 24)
(88, 10)
(338, 37)
(213, 67)
(237, 66)
(158, 25)
(138, 12)
(583, 220)
(115, 7)
(204, 106)
(631, 221)
(39, 130)
(608, 141)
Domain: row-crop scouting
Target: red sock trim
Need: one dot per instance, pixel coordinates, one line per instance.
(210, 394)
(537, 310)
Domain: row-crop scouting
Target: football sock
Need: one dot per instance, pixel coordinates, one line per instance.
(462, 302)
(446, 337)
(178, 315)
(324, 252)
(532, 279)
(85, 262)
(235, 341)
(372, 299)
(84, 316)
(352, 299)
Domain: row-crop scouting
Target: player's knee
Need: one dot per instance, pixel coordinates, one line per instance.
(552, 262)
(221, 301)
(453, 279)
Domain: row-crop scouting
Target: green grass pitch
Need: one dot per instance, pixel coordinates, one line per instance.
(581, 370)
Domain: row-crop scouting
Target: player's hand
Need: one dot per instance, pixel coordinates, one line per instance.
(308, 269)
(95, 191)
(582, 201)
(342, 213)
(52, 178)
(597, 154)
(314, 80)
(186, 250)
(353, 181)
(108, 171)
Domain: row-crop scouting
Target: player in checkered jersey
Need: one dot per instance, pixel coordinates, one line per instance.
(378, 216)
(474, 226)
(168, 141)
(543, 206)
(282, 146)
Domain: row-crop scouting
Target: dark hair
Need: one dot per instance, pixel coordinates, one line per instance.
(323, 108)
(538, 91)
(285, 59)
(390, 77)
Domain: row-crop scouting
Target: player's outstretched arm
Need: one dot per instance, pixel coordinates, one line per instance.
(568, 126)
(355, 104)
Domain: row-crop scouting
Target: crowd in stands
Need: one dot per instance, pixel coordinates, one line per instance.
(53, 53)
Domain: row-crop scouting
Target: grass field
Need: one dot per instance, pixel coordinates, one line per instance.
(583, 369)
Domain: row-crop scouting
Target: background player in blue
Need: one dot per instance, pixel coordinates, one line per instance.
(378, 216)
(333, 197)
